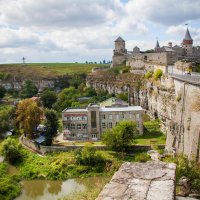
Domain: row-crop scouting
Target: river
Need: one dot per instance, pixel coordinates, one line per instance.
(53, 190)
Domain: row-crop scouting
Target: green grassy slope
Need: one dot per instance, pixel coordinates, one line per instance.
(49, 70)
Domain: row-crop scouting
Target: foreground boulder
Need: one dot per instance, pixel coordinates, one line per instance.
(152, 180)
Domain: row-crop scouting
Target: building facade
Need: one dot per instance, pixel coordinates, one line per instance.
(89, 123)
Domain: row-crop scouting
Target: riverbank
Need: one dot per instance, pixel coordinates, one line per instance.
(65, 165)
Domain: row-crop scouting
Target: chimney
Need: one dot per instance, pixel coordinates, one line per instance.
(170, 44)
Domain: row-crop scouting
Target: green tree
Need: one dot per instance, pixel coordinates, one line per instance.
(121, 136)
(51, 125)
(11, 150)
(48, 98)
(28, 89)
(28, 116)
(65, 98)
(88, 155)
(2, 92)
(6, 119)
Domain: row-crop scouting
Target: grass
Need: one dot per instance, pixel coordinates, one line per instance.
(45, 70)
(152, 134)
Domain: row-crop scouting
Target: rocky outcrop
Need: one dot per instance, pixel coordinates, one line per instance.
(141, 181)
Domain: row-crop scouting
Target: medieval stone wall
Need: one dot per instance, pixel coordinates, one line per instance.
(174, 102)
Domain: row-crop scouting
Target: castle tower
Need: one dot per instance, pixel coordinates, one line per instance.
(119, 53)
(157, 47)
(120, 45)
(187, 43)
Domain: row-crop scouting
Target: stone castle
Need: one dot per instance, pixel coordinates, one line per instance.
(166, 55)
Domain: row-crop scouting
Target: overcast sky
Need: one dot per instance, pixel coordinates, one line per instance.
(80, 30)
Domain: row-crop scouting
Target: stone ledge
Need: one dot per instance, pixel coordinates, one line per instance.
(153, 180)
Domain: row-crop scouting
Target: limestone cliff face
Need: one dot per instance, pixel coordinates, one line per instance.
(176, 103)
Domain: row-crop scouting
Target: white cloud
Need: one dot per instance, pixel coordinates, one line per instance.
(70, 30)
(165, 12)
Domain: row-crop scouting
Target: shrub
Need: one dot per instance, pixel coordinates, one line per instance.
(158, 74)
(187, 168)
(11, 150)
(89, 156)
(148, 75)
(178, 98)
(9, 187)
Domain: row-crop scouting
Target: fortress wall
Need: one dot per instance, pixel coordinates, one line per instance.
(187, 118)
(174, 103)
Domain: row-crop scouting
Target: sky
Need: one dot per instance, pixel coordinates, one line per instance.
(85, 30)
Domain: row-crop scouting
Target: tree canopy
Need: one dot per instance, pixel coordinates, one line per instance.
(121, 136)
(51, 125)
(6, 119)
(28, 89)
(11, 150)
(2, 92)
(48, 98)
(28, 116)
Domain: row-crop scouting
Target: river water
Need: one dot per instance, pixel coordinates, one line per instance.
(53, 190)
(49, 190)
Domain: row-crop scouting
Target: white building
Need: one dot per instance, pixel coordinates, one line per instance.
(90, 122)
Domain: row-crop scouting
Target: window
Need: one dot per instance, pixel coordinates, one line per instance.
(72, 126)
(84, 118)
(130, 116)
(78, 118)
(109, 124)
(84, 126)
(117, 117)
(93, 119)
(110, 117)
(68, 118)
(94, 136)
(78, 126)
(103, 116)
(137, 116)
(103, 125)
(68, 126)
(123, 116)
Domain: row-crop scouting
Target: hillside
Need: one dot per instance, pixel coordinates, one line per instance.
(44, 70)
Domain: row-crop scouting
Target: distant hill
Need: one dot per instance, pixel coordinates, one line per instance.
(44, 70)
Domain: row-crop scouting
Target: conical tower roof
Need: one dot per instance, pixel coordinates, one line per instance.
(119, 39)
(187, 35)
(157, 45)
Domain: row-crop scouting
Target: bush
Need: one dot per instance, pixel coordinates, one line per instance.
(148, 75)
(11, 150)
(187, 168)
(89, 156)
(158, 74)
(9, 187)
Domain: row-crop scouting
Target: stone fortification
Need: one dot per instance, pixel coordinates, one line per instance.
(166, 55)
(141, 181)
(173, 99)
